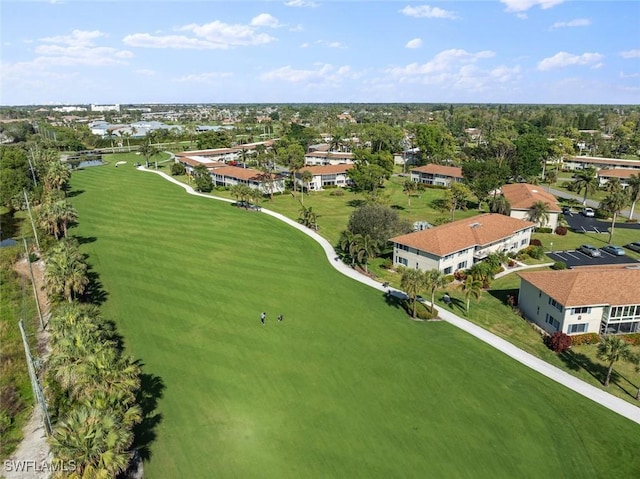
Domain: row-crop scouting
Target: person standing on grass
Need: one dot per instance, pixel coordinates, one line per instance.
(280, 317)
(262, 317)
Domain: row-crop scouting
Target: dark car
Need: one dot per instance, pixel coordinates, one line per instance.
(634, 246)
(590, 250)
(566, 210)
(614, 250)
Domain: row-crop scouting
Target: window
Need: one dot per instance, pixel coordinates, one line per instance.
(552, 321)
(403, 261)
(402, 247)
(449, 256)
(577, 328)
(523, 242)
(583, 310)
(448, 270)
(555, 304)
(462, 265)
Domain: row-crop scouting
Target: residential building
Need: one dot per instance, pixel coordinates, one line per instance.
(323, 176)
(115, 107)
(623, 174)
(583, 162)
(602, 300)
(460, 244)
(234, 175)
(190, 164)
(322, 158)
(522, 196)
(436, 175)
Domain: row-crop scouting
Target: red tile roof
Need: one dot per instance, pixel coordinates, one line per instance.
(452, 171)
(522, 196)
(238, 173)
(618, 173)
(325, 170)
(587, 286)
(479, 230)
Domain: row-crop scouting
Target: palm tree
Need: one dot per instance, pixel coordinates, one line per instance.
(307, 177)
(65, 271)
(471, 287)
(95, 440)
(435, 280)
(634, 191)
(349, 243)
(366, 247)
(413, 281)
(148, 151)
(585, 180)
(56, 176)
(611, 350)
(308, 217)
(615, 201)
(499, 204)
(539, 213)
(65, 214)
(409, 187)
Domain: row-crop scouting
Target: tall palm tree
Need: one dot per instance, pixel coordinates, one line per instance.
(611, 350)
(499, 204)
(349, 243)
(366, 247)
(65, 214)
(57, 176)
(614, 203)
(539, 213)
(585, 180)
(634, 191)
(471, 287)
(307, 177)
(435, 280)
(65, 271)
(412, 282)
(148, 151)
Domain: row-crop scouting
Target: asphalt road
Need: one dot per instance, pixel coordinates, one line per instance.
(577, 258)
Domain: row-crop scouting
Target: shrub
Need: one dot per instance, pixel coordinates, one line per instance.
(602, 214)
(535, 252)
(460, 275)
(422, 311)
(567, 184)
(561, 230)
(178, 169)
(633, 338)
(558, 342)
(589, 338)
(535, 242)
(542, 230)
(512, 263)
(337, 192)
(449, 278)
(387, 263)
(559, 265)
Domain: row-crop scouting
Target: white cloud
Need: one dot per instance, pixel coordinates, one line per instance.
(323, 43)
(214, 35)
(265, 20)
(425, 11)
(325, 74)
(630, 54)
(578, 22)
(524, 5)
(629, 75)
(444, 61)
(202, 77)
(564, 59)
(300, 3)
(76, 39)
(415, 43)
(145, 71)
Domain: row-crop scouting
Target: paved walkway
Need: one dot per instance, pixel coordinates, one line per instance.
(603, 398)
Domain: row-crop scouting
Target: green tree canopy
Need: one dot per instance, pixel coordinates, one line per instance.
(378, 221)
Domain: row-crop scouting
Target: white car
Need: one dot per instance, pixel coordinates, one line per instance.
(588, 212)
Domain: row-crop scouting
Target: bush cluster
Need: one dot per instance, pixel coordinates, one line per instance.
(588, 338)
(337, 192)
(535, 242)
(561, 230)
(558, 342)
(535, 252)
(423, 311)
(633, 338)
(559, 265)
(543, 230)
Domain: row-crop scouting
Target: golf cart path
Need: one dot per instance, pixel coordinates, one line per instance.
(601, 397)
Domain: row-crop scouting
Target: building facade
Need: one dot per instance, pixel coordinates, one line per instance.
(522, 196)
(436, 175)
(325, 176)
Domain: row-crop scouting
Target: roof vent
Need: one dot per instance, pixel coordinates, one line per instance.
(633, 266)
(534, 191)
(475, 225)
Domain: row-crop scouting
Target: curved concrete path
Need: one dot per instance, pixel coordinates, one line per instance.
(603, 398)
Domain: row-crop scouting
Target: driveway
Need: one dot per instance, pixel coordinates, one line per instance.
(577, 258)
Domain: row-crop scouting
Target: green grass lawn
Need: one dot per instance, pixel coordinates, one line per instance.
(345, 386)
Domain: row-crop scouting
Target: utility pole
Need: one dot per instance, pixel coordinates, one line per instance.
(33, 173)
(33, 225)
(33, 282)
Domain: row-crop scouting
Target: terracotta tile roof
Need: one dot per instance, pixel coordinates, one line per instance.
(330, 154)
(618, 173)
(462, 234)
(604, 161)
(452, 171)
(212, 152)
(522, 195)
(194, 162)
(238, 173)
(588, 286)
(325, 170)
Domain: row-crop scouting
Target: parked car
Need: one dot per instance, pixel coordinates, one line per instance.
(588, 212)
(633, 246)
(590, 250)
(614, 250)
(566, 210)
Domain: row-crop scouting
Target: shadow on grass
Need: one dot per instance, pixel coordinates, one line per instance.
(151, 391)
(503, 295)
(398, 207)
(74, 193)
(85, 239)
(355, 203)
(95, 293)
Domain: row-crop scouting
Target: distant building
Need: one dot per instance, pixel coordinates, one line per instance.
(323, 158)
(115, 107)
(460, 244)
(583, 162)
(623, 174)
(323, 176)
(436, 175)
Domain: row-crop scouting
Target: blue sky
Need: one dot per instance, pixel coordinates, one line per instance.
(500, 51)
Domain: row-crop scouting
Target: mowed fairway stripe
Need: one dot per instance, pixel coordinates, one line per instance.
(345, 386)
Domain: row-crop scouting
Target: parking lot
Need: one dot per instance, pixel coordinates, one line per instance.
(577, 258)
(581, 224)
